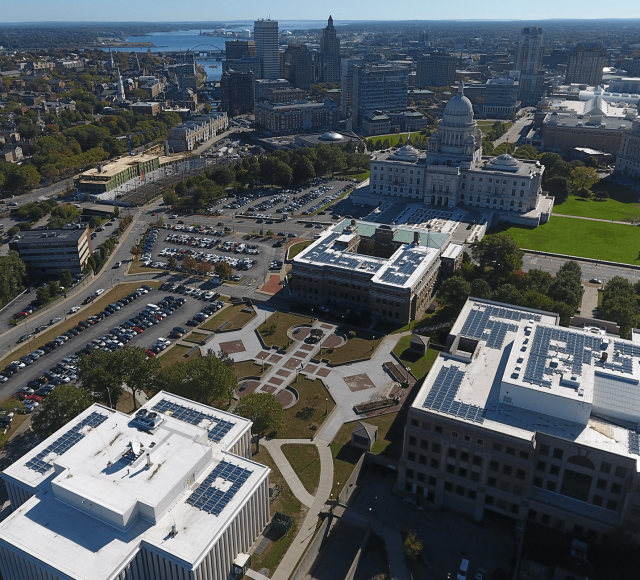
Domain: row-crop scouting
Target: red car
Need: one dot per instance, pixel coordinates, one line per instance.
(36, 398)
(149, 353)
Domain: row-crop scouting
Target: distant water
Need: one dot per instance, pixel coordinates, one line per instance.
(189, 39)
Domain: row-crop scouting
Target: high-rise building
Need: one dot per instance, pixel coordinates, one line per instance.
(437, 69)
(237, 92)
(529, 57)
(298, 66)
(236, 49)
(378, 87)
(528, 61)
(330, 54)
(346, 84)
(585, 64)
(266, 35)
(501, 97)
(628, 160)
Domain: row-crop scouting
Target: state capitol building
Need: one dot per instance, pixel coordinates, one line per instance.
(455, 173)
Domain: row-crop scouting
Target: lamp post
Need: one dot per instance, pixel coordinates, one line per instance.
(326, 405)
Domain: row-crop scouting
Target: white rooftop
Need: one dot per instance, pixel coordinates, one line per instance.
(101, 490)
(515, 371)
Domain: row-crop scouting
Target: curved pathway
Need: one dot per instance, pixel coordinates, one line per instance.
(591, 219)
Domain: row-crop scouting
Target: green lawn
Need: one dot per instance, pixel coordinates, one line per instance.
(231, 314)
(305, 460)
(487, 126)
(274, 330)
(352, 175)
(359, 347)
(389, 444)
(286, 503)
(175, 354)
(303, 419)
(582, 238)
(419, 366)
(248, 368)
(609, 209)
(195, 337)
(295, 249)
(393, 138)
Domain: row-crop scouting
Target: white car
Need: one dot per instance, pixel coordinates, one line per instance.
(173, 216)
(18, 363)
(99, 291)
(74, 309)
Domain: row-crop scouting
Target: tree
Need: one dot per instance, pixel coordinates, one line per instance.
(97, 375)
(412, 546)
(526, 152)
(172, 263)
(206, 380)
(500, 252)
(264, 410)
(480, 289)
(181, 189)
(136, 369)
(12, 275)
(54, 288)
(204, 267)
(63, 404)
(584, 178)
(116, 211)
(558, 186)
(66, 278)
(135, 252)
(619, 304)
(170, 197)
(591, 161)
(13, 231)
(508, 294)
(43, 294)
(223, 270)
(454, 292)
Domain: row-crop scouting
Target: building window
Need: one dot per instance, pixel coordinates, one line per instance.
(438, 429)
(616, 488)
(555, 470)
(507, 469)
(605, 467)
(464, 456)
(510, 451)
(454, 434)
(448, 486)
(601, 484)
(424, 444)
(544, 450)
(576, 485)
(452, 452)
(422, 460)
(411, 456)
(494, 465)
(612, 505)
(557, 453)
(597, 500)
(480, 442)
(414, 422)
(477, 460)
(435, 464)
(413, 441)
(462, 472)
(621, 471)
(537, 482)
(492, 482)
(520, 473)
(435, 447)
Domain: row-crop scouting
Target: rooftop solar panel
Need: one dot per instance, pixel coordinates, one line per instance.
(441, 397)
(216, 428)
(212, 499)
(64, 442)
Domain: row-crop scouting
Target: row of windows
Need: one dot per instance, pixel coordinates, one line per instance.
(375, 168)
(605, 466)
(490, 180)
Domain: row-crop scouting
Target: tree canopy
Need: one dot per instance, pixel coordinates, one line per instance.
(264, 410)
(63, 404)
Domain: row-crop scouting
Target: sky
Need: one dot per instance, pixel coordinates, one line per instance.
(183, 10)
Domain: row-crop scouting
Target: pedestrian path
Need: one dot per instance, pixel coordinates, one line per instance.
(579, 217)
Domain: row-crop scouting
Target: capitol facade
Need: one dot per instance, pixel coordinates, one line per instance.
(455, 173)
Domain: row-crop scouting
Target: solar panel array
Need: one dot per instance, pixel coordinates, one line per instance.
(578, 346)
(617, 362)
(64, 443)
(478, 322)
(216, 432)
(442, 395)
(406, 264)
(634, 443)
(213, 500)
(627, 348)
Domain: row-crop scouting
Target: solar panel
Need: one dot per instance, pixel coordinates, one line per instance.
(64, 443)
(480, 326)
(442, 395)
(209, 495)
(634, 443)
(216, 429)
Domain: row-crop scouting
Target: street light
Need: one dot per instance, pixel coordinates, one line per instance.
(326, 405)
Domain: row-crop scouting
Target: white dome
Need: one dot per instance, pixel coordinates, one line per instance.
(504, 162)
(459, 110)
(406, 153)
(331, 136)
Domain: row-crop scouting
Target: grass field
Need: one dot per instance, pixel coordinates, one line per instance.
(247, 368)
(195, 337)
(175, 354)
(303, 419)
(19, 418)
(393, 138)
(487, 126)
(231, 314)
(286, 503)
(305, 461)
(609, 209)
(274, 330)
(295, 249)
(359, 347)
(353, 175)
(419, 366)
(96, 306)
(583, 238)
(389, 444)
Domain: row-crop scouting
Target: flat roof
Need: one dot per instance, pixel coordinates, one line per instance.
(515, 371)
(117, 166)
(103, 485)
(31, 236)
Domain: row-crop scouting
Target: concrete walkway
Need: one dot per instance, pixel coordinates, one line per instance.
(589, 301)
(274, 448)
(578, 217)
(300, 542)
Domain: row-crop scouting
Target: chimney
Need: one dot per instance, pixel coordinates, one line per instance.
(416, 238)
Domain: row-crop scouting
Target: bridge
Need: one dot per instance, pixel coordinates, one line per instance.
(202, 52)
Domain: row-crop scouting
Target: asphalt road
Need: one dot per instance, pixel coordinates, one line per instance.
(146, 339)
(590, 270)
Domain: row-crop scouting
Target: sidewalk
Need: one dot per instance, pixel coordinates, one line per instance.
(273, 446)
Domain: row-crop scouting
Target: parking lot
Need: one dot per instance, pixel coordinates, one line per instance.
(101, 328)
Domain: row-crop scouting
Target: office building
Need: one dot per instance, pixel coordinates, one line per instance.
(522, 419)
(346, 84)
(296, 117)
(628, 160)
(246, 64)
(386, 122)
(586, 63)
(264, 87)
(501, 97)
(387, 270)
(378, 87)
(329, 54)
(48, 252)
(437, 69)
(631, 66)
(454, 172)
(237, 92)
(170, 493)
(528, 62)
(298, 66)
(266, 35)
(236, 49)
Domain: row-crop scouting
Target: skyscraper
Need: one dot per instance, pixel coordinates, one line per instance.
(298, 68)
(330, 54)
(585, 64)
(346, 84)
(237, 92)
(378, 87)
(437, 69)
(266, 34)
(528, 61)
